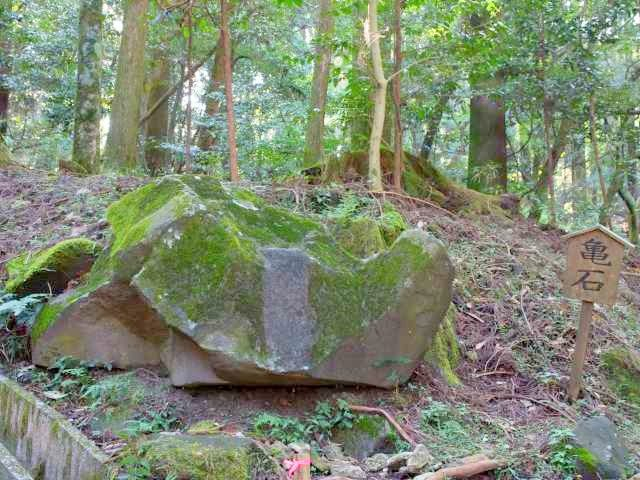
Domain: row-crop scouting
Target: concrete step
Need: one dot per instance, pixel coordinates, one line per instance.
(10, 468)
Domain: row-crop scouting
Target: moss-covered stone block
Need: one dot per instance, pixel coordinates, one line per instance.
(217, 457)
(50, 270)
(222, 288)
(623, 373)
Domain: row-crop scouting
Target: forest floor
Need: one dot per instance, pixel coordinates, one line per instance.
(515, 328)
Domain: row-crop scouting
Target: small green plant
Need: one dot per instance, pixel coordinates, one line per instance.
(70, 377)
(289, 429)
(135, 468)
(436, 415)
(563, 454)
(162, 421)
(284, 429)
(16, 319)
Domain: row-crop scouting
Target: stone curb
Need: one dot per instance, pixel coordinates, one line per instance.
(10, 468)
(43, 441)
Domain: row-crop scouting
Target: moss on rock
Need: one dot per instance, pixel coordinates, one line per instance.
(368, 435)
(219, 457)
(444, 354)
(360, 237)
(259, 294)
(51, 269)
(623, 368)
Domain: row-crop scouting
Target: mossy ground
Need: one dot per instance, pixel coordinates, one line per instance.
(623, 368)
(202, 458)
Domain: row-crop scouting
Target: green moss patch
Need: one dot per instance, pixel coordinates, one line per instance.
(219, 457)
(51, 269)
(623, 369)
(444, 354)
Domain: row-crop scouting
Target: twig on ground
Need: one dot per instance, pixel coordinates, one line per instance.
(390, 419)
(467, 470)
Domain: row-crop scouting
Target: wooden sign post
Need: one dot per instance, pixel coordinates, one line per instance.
(594, 262)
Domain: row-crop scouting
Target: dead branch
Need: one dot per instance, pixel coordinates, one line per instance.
(467, 470)
(173, 89)
(418, 200)
(390, 419)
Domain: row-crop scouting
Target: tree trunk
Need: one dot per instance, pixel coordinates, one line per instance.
(398, 157)
(579, 173)
(5, 70)
(435, 118)
(487, 171)
(228, 90)
(547, 118)
(206, 140)
(379, 100)
(188, 164)
(175, 113)
(86, 127)
(595, 148)
(358, 116)
(314, 138)
(121, 152)
(157, 127)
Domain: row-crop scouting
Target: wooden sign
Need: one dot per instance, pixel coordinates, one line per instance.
(594, 263)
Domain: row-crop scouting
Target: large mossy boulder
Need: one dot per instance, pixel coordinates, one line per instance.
(221, 287)
(50, 270)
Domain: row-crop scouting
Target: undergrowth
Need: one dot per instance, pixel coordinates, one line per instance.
(17, 315)
(318, 425)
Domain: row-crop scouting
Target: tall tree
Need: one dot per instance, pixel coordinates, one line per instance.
(487, 170)
(379, 99)
(121, 152)
(487, 162)
(212, 102)
(228, 90)
(314, 138)
(86, 127)
(157, 127)
(398, 149)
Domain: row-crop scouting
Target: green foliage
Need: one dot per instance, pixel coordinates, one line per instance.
(320, 424)
(153, 422)
(16, 319)
(563, 454)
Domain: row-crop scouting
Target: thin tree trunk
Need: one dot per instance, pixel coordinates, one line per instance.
(595, 147)
(86, 127)
(188, 166)
(398, 151)
(228, 90)
(359, 117)
(157, 127)
(435, 118)
(121, 152)
(206, 140)
(175, 112)
(314, 138)
(179, 85)
(379, 100)
(547, 115)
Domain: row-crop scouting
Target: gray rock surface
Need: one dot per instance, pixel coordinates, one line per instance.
(599, 436)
